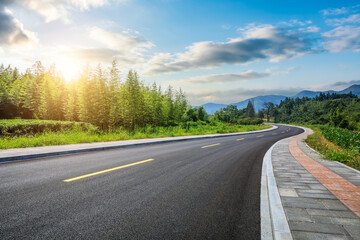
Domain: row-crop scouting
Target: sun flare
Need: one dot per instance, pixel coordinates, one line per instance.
(68, 68)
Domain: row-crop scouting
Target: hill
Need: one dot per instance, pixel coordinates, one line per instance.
(259, 101)
(276, 99)
(211, 108)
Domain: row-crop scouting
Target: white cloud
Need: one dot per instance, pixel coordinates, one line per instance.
(352, 19)
(343, 38)
(257, 43)
(52, 10)
(334, 11)
(198, 97)
(232, 77)
(122, 41)
(296, 22)
(124, 47)
(12, 32)
(310, 29)
(227, 77)
(337, 86)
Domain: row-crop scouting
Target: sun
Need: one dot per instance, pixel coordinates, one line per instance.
(68, 68)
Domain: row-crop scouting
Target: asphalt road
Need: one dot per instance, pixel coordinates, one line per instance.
(198, 189)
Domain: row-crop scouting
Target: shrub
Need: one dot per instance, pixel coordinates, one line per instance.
(250, 121)
(16, 127)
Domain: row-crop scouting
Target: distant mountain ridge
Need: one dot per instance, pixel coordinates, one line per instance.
(276, 99)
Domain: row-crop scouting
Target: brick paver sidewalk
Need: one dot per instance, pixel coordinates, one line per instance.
(320, 198)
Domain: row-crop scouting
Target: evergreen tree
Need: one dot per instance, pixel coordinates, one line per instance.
(250, 111)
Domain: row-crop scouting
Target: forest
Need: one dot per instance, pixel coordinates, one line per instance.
(98, 97)
(337, 110)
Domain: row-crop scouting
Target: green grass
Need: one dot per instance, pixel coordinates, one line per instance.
(78, 134)
(336, 144)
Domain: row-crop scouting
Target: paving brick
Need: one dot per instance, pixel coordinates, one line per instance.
(318, 236)
(297, 215)
(331, 213)
(333, 204)
(287, 192)
(317, 195)
(313, 191)
(354, 231)
(317, 186)
(295, 202)
(317, 228)
(314, 211)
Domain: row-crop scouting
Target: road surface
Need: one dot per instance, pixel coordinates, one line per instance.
(198, 189)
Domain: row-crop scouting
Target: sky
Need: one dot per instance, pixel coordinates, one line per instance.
(216, 51)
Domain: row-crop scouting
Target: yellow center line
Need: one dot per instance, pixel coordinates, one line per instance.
(240, 139)
(260, 135)
(107, 170)
(274, 134)
(283, 132)
(211, 145)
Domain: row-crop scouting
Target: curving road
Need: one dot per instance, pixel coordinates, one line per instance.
(198, 189)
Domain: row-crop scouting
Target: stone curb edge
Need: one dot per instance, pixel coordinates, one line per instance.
(274, 224)
(101, 148)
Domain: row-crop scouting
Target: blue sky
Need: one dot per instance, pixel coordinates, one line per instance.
(217, 51)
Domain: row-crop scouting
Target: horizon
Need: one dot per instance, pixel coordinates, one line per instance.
(322, 91)
(218, 51)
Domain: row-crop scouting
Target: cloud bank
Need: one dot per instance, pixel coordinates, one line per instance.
(12, 32)
(52, 10)
(258, 43)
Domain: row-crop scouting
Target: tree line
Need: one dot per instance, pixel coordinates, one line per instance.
(246, 116)
(338, 110)
(98, 96)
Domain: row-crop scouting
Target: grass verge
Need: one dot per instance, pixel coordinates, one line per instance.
(79, 135)
(343, 152)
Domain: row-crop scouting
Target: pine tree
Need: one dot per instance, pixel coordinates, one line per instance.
(250, 111)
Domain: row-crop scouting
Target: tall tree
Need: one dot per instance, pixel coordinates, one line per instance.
(250, 110)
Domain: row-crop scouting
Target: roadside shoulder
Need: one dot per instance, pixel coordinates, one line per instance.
(38, 152)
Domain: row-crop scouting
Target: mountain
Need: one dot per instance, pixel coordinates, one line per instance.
(355, 89)
(211, 108)
(260, 100)
(310, 94)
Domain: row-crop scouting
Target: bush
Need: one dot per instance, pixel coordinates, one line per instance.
(342, 137)
(250, 121)
(16, 127)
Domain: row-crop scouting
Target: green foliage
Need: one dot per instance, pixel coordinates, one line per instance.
(250, 110)
(250, 121)
(230, 114)
(342, 137)
(17, 127)
(72, 135)
(336, 144)
(97, 97)
(337, 110)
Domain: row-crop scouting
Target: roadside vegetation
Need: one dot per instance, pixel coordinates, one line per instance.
(40, 108)
(336, 144)
(51, 134)
(334, 118)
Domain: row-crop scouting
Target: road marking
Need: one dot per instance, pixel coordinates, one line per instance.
(274, 134)
(260, 135)
(211, 145)
(282, 132)
(107, 170)
(240, 139)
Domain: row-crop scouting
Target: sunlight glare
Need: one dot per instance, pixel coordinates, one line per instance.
(68, 68)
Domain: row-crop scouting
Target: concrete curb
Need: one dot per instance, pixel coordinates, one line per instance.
(274, 224)
(38, 152)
